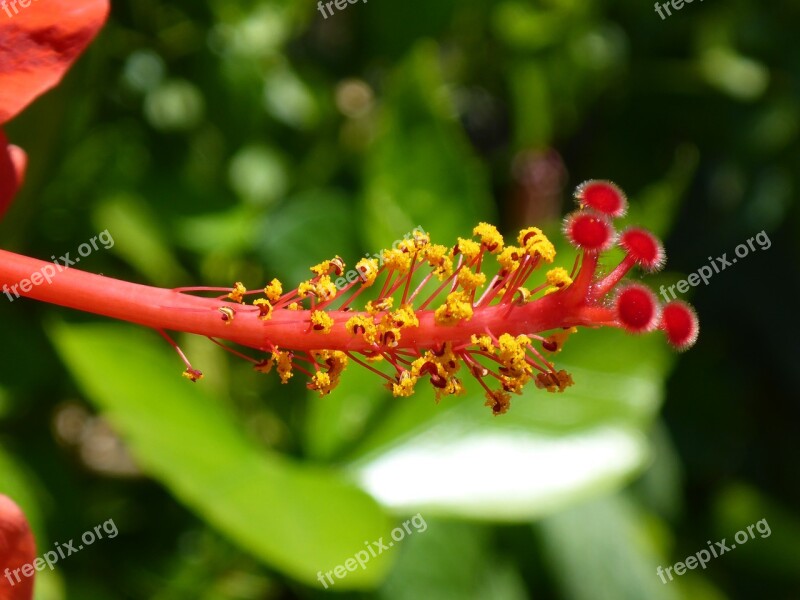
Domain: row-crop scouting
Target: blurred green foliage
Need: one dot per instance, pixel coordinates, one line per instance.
(245, 140)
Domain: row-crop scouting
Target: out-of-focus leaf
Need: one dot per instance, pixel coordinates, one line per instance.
(771, 546)
(451, 560)
(138, 238)
(600, 551)
(309, 228)
(339, 420)
(299, 520)
(230, 232)
(421, 170)
(17, 485)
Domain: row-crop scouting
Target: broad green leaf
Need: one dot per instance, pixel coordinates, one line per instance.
(298, 519)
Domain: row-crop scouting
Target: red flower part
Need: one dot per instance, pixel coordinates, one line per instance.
(433, 312)
(680, 325)
(39, 43)
(602, 196)
(13, 161)
(589, 231)
(643, 247)
(636, 308)
(17, 548)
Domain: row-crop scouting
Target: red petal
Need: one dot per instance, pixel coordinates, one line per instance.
(38, 45)
(17, 548)
(13, 161)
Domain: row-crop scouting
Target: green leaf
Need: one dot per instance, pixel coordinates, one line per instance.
(298, 519)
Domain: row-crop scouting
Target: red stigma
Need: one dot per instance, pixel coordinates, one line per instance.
(643, 247)
(589, 231)
(636, 308)
(680, 325)
(602, 196)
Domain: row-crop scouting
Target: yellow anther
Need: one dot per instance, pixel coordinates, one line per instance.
(498, 401)
(294, 306)
(397, 260)
(321, 382)
(273, 291)
(264, 366)
(284, 362)
(524, 294)
(439, 257)
(368, 270)
(457, 308)
(559, 279)
(514, 384)
(192, 375)
(490, 237)
(537, 244)
(404, 317)
(470, 281)
(306, 288)
(336, 361)
(484, 342)
(376, 306)
(405, 385)
(227, 314)
(555, 342)
(407, 246)
(511, 354)
(326, 267)
(509, 258)
(365, 326)
(325, 289)
(421, 239)
(452, 387)
(238, 292)
(554, 381)
(265, 309)
(321, 322)
(469, 248)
